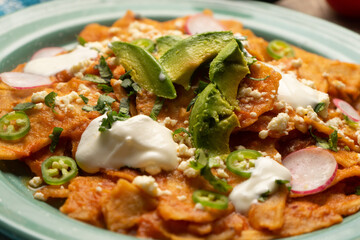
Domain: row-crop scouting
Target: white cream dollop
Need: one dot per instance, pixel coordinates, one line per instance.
(138, 142)
(49, 66)
(262, 179)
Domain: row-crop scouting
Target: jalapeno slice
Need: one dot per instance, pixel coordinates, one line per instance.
(57, 170)
(240, 161)
(278, 49)
(210, 199)
(14, 125)
(145, 43)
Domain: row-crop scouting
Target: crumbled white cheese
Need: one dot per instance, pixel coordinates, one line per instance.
(279, 123)
(253, 114)
(98, 189)
(141, 30)
(83, 89)
(263, 134)
(308, 83)
(39, 196)
(249, 92)
(221, 173)
(277, 157)
(181, 197)
(185, 151)
(64, 102)
(149, 185)
(334, 123)
(80, 67)
(39, 106)
(296, 63)
(114, 30)
(279, 105)
(60, 85)
(168, 122)
(38, 96)
(101, 47)
(338, 84)
(35, 182)
(188, 171)
(199, 206)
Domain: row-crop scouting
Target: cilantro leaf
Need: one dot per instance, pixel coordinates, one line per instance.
(111, 117)
(130, 86)
(357, 190)
(125, 75)
(330, 144)
(159, 102)
(24, 106)
(94, 79)
(55, 136)
(284, 182)
(259, 79)
(103, 104)
(180, 130)
(105, 88)
(85, 99)
(319, 107)
(50, 100)
(248, 57)
(104, 70)
(350, 122)
(81, 40)
(264, 196)
(125, 106)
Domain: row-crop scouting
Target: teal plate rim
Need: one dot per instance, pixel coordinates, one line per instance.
(56, 23)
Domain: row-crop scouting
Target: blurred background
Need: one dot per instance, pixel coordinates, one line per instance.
(342, 12)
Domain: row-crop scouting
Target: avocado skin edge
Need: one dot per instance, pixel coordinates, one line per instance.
(181, 60)
(212, 121)
(146, 71)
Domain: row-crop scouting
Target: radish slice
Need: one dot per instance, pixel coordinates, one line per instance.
(347, 109)
(200, 23)
(312, 170)
(24, 80)
(47, 52)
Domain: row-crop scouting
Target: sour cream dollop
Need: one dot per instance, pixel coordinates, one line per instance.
(138, 142)
(49, 66)
(262, 179)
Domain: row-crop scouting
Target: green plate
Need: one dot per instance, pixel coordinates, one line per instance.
(56, 24)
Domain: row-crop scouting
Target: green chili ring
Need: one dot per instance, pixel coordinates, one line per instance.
(14, 125)
(278, 49)
(57, 170)
(145, 43)
(236, 162)
(210, 199)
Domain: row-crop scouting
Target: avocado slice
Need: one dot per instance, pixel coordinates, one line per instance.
(181, 60)
(164, 43)
(227, 70)
(146, 70)
(211, 121)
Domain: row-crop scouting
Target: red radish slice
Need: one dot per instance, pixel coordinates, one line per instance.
(312, 170)
(47, 52)
(24, 80)
(200, 23)
(347, 109)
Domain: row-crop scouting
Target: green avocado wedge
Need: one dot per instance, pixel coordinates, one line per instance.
(181, 60)
(164, 43)
(227, 70)
(146, 71)
(211, 121)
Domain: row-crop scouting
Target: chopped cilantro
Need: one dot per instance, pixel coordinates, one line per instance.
(125, 106)
(111, 117)
(94, 79)
(24, 106)
(350, 122)
(284, 182)
(330, 144)
(157, 108)
(319, 107)
(102, 105)
(259, 79)
(85, 99)
(125, 75)
(248, 57)
(50, 100)
(55, 136)
(264, 196)
(81, 40)
(357, 190)
(105, 88)
(104, 70)
(180, 130)
(346, 148)
(130, 86)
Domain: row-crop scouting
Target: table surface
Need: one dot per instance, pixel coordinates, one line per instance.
(320, 9)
